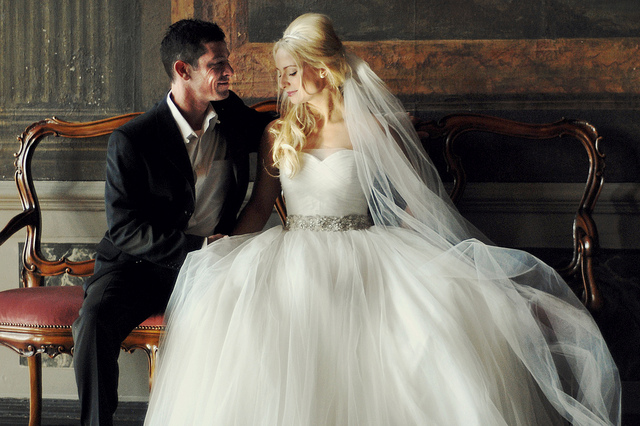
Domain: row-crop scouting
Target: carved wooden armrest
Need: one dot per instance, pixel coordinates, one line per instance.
(35, 266)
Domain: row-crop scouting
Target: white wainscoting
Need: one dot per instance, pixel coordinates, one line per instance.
(515, 213)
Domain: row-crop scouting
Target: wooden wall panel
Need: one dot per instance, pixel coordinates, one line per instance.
(516, 66)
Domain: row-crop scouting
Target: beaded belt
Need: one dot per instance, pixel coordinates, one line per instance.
(328, 223)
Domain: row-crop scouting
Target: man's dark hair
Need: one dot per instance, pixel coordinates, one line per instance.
(184, 41)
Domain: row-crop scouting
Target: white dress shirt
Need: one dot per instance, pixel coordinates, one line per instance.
(212, 169)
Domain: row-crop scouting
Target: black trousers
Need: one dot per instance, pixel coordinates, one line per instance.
(116, 302)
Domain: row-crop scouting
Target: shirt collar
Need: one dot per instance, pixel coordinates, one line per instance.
(187, 132)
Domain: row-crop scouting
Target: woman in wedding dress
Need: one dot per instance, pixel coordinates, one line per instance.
(377, 303)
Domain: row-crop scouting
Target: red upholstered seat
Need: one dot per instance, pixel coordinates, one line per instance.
(38, 320)
(41, 306)
(55, 307)
(154, 321)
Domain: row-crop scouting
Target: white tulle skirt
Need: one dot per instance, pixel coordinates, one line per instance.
(376, 327)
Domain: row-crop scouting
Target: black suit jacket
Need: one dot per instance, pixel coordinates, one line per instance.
(150, 188)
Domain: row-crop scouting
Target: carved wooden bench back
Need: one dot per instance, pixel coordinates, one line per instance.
(585, 235)
(33, 341)
(35, 266)
(449, 128)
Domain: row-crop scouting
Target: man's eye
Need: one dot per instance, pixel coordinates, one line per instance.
(293, 73)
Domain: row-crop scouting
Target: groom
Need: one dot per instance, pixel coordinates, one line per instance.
(176, 177)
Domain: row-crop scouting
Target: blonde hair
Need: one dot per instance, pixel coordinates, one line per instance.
(313, 44)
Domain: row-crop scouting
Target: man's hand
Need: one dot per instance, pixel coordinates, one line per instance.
(215, 237)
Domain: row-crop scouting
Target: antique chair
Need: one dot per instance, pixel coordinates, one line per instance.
(36, 319)
(578, 271)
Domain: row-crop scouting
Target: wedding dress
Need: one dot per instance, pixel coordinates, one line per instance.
(377, 304)
(332, 321)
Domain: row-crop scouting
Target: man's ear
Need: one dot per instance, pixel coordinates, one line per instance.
(182, 69)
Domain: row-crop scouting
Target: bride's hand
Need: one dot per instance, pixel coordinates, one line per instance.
(215, 237)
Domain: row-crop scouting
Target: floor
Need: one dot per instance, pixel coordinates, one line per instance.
(15, 412)
(66, 413)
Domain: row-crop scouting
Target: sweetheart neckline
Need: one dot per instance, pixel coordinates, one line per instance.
(338, 151)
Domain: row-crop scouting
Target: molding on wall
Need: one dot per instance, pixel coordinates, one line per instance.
(513, 214)
(57, 196)
(615, 198)
(490, 205)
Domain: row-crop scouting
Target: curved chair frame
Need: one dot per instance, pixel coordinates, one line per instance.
(585, 233)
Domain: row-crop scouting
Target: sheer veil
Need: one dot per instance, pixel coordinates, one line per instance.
(555, 337)
(394, 168)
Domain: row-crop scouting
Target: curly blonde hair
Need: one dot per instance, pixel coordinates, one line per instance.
(314, 45)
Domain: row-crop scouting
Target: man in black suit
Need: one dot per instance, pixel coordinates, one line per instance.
(176, 177)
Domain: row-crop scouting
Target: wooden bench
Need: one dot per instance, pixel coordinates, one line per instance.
(36, 319)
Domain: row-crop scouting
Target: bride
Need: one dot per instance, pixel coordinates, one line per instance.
(377, 303)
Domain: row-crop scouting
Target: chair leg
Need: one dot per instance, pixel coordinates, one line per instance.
(35, 402)
(152, 357)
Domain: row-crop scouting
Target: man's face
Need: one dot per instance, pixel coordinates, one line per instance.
(210, 79)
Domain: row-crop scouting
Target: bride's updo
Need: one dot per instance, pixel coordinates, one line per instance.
(313, 43)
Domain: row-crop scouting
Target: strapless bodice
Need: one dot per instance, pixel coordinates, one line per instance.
(325, 187)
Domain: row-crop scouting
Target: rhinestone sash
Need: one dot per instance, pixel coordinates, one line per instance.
(328, 223)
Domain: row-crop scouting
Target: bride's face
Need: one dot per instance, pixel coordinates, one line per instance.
(300, 87)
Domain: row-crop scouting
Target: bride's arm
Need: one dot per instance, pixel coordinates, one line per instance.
(266, 189)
